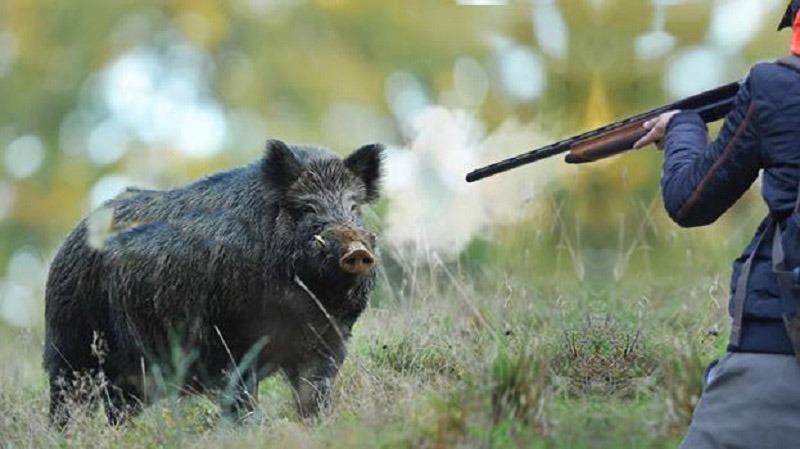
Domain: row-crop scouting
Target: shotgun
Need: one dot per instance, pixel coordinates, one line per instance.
(617, 137)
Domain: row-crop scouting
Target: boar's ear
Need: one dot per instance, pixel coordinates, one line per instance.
(280, 167)
(366, 162)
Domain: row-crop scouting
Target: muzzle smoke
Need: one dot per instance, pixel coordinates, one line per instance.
(432, 206)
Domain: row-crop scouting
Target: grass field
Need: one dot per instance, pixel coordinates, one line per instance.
(552, 344)
(583, 318)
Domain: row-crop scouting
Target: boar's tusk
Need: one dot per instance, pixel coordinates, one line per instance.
(320, 240)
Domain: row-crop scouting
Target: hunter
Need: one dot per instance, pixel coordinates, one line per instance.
(751, 396)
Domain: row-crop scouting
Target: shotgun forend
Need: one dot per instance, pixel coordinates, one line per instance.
(617, 137)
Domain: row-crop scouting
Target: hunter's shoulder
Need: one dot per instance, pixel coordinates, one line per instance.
(763, 69)
(772, 77)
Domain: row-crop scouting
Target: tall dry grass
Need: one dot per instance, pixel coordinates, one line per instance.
(527, 341)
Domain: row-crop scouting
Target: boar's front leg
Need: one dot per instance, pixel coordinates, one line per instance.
(312, 386)
(313, 379)
(239, 399)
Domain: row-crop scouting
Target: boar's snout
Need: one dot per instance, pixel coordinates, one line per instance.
(357, 259)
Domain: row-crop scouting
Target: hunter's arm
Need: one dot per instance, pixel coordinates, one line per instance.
(701, 180)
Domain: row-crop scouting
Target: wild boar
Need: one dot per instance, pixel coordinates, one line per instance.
(260, 269)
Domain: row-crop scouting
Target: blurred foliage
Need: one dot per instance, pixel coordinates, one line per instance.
(292, 69)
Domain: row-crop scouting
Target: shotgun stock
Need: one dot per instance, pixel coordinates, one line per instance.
(617, 137)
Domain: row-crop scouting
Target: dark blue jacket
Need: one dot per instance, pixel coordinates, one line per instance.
(701, 180)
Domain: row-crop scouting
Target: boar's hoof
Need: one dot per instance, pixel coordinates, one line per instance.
(357, 259)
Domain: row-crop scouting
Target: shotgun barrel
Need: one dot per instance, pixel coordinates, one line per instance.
(617, 137)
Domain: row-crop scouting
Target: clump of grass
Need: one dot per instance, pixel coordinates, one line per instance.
(518, 383)
(502, 404)
(603, 356)
(681, 374)
(416, 353)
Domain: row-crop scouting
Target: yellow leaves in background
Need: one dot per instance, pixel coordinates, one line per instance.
(23, 20)
(597, 111)
(202, 22)
(339, 5)
(57, 206)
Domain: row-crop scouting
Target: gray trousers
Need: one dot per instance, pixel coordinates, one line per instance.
(750, 401)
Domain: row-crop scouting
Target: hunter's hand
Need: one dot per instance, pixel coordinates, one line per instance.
(657, 127)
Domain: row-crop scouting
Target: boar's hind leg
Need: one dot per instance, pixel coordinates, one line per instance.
(312, 385)
(73, 372)
(239, 399)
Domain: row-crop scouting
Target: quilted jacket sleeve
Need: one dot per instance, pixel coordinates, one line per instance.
(701, 180)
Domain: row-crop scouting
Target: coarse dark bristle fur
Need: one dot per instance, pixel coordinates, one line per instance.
(366, 163)
(281, 167)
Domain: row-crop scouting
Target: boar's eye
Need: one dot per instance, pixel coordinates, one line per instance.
(303, 208)
(354, 207)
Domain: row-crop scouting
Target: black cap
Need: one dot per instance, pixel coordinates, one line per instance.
(788, 17)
